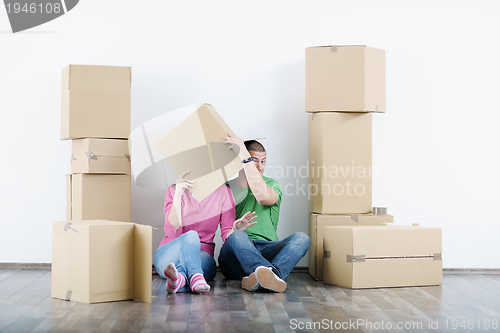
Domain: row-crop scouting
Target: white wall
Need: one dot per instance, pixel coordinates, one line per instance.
(436, 147)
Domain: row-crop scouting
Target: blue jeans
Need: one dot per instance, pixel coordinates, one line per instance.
(185, 252)
(239, 256)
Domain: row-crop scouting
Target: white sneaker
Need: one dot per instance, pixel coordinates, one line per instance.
(267, 279)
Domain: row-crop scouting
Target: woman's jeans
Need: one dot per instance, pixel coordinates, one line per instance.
(240, 256)
(186, 254)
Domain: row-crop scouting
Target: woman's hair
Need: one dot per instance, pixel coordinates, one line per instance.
(255, 146)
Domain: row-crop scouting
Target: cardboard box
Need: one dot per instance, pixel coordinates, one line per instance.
(196, 145)
(345, 78)
(95, 102)
(382, 256)
(109, 156)
(101, 261)
(317, 223)
(98, 197)
(340, 163)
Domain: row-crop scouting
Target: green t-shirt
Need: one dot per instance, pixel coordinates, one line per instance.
(267, 216)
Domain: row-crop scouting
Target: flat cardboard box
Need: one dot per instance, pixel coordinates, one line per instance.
(348, 78)
(382, 256)
(196, 145)
(95, 102)
(109, 156)
(340, 163)
(101, 261)
(98, 197)
(317, 223)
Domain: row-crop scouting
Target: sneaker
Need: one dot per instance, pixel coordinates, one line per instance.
(267, 279)
(250, 282)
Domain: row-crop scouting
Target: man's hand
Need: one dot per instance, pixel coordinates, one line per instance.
(237, 145)
(245, 222)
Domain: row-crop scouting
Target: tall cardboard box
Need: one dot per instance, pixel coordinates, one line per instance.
(101, 261)
(340, 163)
(196, 145)
(317, 223)
(349, 78)
(99, 197)
(382, 256)
(95, 102)
(100, 156)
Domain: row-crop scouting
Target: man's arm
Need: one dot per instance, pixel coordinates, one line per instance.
(264, 194)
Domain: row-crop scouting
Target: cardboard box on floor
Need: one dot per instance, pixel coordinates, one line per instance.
(110, 156)
(349, 78)
(95, 102)
(102, 197)
(317, 223)
(382, 256)
(196, 145)
(101, 261)
(340, 163)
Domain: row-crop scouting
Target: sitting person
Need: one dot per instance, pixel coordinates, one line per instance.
(185, 255)
(257, 256)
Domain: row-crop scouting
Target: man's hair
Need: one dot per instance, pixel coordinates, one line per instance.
(254, 146)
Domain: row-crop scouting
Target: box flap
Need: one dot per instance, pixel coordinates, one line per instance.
(143, 259)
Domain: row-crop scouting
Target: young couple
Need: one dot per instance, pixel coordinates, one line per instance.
(248, 213)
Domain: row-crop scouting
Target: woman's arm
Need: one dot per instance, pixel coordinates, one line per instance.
(175, 215)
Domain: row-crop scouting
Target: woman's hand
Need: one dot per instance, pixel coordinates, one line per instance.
(245, 222)
(181, 184)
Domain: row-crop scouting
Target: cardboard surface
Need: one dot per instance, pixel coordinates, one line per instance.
(345, 78)
(196, 145)
(317, 223)
(340, 163)
(101, 261)
(103, 197)
(384, 256)
(95, 102)
(109, 156)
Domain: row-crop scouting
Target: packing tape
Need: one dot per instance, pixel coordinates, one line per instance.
(334, 48)
(438, 256)
(73, 157)
(68, 295)
(128, 157)
(67, 227)
(360, 258)
(326, 254)
(355, 217)
(379, 211)
(91, 155)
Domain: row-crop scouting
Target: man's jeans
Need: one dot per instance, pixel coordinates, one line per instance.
(240, 256)
(185, 252)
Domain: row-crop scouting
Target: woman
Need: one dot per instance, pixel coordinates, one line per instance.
(185, 255)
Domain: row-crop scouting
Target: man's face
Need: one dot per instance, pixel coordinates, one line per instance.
(259, 160)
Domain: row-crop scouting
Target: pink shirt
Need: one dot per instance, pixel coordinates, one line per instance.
(203, 217)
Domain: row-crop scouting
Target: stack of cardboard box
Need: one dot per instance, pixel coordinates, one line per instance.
(345, 85)
(97, 255)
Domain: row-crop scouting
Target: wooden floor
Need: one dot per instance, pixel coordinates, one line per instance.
(469, 303)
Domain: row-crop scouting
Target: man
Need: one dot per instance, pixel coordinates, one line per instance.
(256, 255)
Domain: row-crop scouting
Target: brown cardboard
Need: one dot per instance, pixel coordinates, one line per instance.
(101, 261)
(382, 256)
(103, 197)
(196, 145)
(95, 102)
(109, 156)
(348, 78)
(317, 223)
(340, 163)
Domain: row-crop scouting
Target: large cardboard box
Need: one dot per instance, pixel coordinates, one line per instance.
(382, 256)
(317, 223)
(95, 102)
(98, 197)
(101, 261)
(340, 163)
(345, 78)
(196, 145)
(110, 156)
